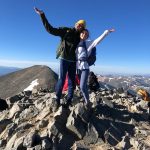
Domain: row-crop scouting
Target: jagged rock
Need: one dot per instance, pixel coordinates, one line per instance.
(61, 116)
(12, 100)
(43, 113)
(101, 127)
(38, 147)
(107, 102)
(35, 92)
(91, 136)
(3, 124)
(40, 104)
(76, 125)
(11, 142)
(81, 111)
(31, 139)
(28, 113)
(46, 144)
(131, 92)
(92, 97)
(123, 95)
(24, 126)
(134, 108)
(80, 145)
(120, 90)
(18, 144)
(125, 143)
(116, 96)
(16, 108)
(112, 137)
(42, 124)
(54, 129)
(8, 132)
(2, 143)
(4, 114)
(3, 104)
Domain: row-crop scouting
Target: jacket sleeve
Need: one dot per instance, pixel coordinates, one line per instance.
(98, 40)
(50, 29)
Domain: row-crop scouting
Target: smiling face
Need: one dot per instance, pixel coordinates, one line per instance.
(79, 27)
(84, 34)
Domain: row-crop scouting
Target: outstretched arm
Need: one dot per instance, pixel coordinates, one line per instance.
(38, 11)
(100, 38)
(48, 27)
(111, 30)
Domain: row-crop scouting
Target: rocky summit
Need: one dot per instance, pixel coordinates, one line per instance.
(112, 121)
(115, 119)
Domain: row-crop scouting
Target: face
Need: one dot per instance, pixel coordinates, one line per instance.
(84, 35)
(79, 27)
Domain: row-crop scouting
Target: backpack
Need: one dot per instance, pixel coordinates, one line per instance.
(93, 83)
(145, 95)
(92, 57)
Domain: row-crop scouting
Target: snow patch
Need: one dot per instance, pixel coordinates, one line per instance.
(32, 85)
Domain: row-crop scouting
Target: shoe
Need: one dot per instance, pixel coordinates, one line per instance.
(88, 105)
(56, 106)
(67, 104)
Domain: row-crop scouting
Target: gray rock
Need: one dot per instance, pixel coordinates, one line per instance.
(2, 142)
(43, 123)
(12, 100)
(3, 124)
(81, 111)
(125, 143)
(107, 102)
(80, 145)
(116, 96)
(113, 135)
(29, 113)
(38, 147)
(15, 108)
(23, 126)
(18, 144)
(61, 116)
(31, 140)
(46, 144)
(3, 104)
(91, 135)
(76, 125)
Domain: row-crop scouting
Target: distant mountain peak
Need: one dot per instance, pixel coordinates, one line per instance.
(15, 82)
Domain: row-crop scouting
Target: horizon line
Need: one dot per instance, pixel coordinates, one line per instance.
(55, 66)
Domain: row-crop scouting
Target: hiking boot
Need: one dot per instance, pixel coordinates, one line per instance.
(56, 106)
(69, 103)
(88, 105)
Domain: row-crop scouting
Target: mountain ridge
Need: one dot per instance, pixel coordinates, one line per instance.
(15, 82)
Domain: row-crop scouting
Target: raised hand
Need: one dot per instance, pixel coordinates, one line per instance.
(111, 30)
(38, 11)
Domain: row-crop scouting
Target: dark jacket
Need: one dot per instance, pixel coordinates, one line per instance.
(69, 40)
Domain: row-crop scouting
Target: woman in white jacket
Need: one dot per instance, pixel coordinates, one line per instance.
(83, 51)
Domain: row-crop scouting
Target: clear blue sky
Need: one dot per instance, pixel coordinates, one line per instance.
(25, 42)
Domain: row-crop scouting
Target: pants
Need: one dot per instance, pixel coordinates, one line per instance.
(83, 76)
(70, 67)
